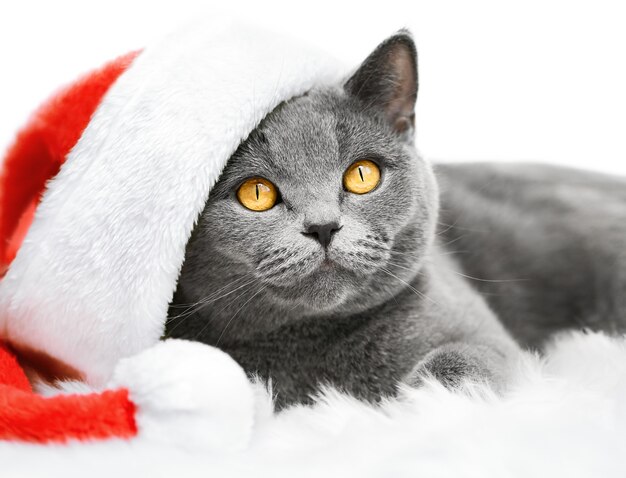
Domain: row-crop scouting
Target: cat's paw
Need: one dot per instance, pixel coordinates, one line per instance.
(451, 365)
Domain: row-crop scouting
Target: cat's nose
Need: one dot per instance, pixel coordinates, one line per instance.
(323, 233)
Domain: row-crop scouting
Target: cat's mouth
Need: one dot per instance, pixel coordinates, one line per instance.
(321, 279)
(323, 288)
(327, 265)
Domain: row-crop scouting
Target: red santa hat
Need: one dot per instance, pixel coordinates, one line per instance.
(98, 197)
(101, 190)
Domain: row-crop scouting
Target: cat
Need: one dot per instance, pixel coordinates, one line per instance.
(322, 257)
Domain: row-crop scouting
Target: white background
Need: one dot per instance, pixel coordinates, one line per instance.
(527, 80)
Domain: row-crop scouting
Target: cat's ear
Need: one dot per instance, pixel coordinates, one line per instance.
(387, 80)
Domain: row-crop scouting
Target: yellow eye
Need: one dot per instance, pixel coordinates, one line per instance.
(257, 194)
(361, 177)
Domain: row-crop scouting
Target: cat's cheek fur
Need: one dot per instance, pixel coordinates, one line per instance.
(358, 247)
(231, 230)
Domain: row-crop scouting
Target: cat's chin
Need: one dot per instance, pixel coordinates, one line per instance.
(324, 290)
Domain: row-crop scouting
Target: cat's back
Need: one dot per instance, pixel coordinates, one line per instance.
(555, 186)
(547, 245)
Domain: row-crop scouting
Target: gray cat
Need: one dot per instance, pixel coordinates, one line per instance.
(317, 259)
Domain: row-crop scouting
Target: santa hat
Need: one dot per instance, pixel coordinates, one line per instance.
(101, 189)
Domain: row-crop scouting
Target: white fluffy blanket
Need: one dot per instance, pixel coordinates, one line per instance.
(565, 415)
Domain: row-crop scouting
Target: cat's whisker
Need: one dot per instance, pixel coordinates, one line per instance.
(401, 266)
(449, 226)
(418, 255)
(219, 290)
(213, 294)
(447, 253)
(412, 256)
(405, 253)
(230, 292)
(208, 300)
(487, 280)
(485, 185)
(419, 293)
(222, 309)
(294, 307)
(237, 313)
(223, 288)
(456, 226)
(453, 240)
(480, 279)
(203, 304)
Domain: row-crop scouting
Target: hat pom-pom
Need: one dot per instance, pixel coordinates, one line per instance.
(189, 395)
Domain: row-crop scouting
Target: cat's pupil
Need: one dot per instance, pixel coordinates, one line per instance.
(257, 192)
(361, 173)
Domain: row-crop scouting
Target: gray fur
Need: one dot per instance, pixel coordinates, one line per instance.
(546, 244)
(387, 301)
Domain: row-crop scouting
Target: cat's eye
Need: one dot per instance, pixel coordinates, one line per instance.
(361, 177)
(257, 194)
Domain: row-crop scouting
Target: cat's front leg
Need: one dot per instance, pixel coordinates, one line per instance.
(457, 362)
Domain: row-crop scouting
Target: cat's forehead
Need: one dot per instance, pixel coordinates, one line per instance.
(315, 135)
(302, 120)
(300, 134)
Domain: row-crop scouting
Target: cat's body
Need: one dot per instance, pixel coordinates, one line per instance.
(354, 290)
(547, 245)
(369, 352)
